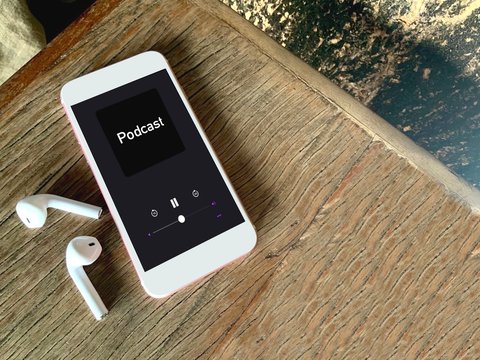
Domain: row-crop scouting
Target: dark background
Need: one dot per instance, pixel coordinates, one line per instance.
(56, 15)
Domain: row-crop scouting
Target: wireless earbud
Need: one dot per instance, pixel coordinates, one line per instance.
(82, 251)
(33, 209)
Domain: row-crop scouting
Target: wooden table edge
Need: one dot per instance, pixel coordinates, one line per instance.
(379, 128)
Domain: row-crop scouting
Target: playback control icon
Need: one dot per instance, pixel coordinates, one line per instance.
(181, 219)
(174, 203)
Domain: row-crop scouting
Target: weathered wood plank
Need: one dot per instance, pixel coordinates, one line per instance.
(360, 253)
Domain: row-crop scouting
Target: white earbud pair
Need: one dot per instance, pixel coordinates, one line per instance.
(81, 251)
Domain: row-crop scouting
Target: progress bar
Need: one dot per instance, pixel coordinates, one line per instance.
(181, 219)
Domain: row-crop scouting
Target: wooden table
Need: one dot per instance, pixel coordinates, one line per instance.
(367, 245)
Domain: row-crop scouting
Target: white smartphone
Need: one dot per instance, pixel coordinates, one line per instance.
(168, 194)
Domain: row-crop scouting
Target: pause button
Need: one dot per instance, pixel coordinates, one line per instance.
(174, 203)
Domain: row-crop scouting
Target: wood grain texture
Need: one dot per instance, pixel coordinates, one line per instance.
(360, 252)
(364, 117)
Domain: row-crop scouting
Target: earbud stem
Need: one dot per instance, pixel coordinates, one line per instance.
(88, 292)
(73, 206)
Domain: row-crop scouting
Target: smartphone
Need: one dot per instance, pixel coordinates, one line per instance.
(173, 204)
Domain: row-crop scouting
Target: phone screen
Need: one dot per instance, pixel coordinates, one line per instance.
(165, 185)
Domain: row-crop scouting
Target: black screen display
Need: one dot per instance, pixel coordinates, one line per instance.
(165, 185)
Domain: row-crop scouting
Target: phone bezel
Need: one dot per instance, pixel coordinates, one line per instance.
(198, 261)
